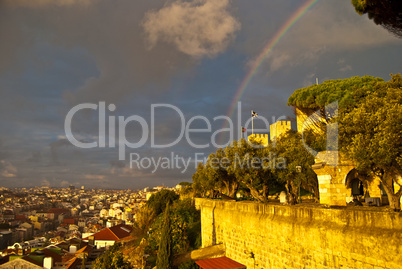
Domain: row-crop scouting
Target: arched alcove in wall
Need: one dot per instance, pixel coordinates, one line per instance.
(355, 184)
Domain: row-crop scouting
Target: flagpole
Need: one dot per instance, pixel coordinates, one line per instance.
(252, 123)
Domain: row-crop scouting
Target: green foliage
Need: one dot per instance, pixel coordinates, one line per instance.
(190, 217)
(165, 250)
(203, 183)
(188, 265)
(316, 141)
(290, 147)
(371, 135)
(143, 220)
(241, 164)
(348, 92)
(112, 259)
(159, 200)
(185, 228)
(253, 166)
(387, 13)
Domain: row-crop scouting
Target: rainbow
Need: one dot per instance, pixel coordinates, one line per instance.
(267, 49)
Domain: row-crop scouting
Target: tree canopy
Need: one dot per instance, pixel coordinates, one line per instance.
(291, 148)
(347, 92)
(387, 13)
(113, 258)
(245, 165)
(160, 199)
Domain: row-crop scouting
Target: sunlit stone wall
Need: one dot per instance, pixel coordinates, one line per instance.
(279, 236)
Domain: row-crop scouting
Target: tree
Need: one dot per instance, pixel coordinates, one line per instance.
(371, 135)
(203, 183)
(143, 220)
(290, 147)
(185, 184)
(313, 100)
(252, 165)
(242, 164)
(185, 223)
(159, 200)
(348, 92)
(214, 175)
(227, 180)
(165, 250)
(387, 13)
(112, 259)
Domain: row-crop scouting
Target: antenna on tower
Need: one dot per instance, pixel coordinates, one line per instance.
(316, 81)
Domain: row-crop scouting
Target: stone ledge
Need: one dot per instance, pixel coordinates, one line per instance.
(341, 216)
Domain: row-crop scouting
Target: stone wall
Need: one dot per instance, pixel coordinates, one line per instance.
(279, 236)
(279, 128)
(260, 138)
(334, 174)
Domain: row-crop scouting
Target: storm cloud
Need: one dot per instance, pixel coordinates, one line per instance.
(193, 54)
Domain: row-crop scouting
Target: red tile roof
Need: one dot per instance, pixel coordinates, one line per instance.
(58, 211)
(220, 263)
(68, 221)
(121, 230)
(20, 217)
(114, 233)
(104, 235)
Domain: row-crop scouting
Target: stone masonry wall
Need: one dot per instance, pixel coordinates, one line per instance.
(279, 128)
(279, 236)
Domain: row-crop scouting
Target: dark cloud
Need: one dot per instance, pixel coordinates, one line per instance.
(112, 36)
(7, 169)
(190, 54)
(44, 3)
(54, 150)
(117, 164)
(36, 157)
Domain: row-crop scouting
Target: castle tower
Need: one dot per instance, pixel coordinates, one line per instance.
(261, 138)
(279, 128)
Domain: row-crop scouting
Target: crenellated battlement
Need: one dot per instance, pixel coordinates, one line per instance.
(261, 138)
(279, 128)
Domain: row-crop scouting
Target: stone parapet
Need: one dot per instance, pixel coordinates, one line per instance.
(279, 236)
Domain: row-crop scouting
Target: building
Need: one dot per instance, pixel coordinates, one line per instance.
(109, 236)
(279, 128)
(260, 138)
(24, 262)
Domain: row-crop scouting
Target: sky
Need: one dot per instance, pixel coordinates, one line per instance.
(128, 94)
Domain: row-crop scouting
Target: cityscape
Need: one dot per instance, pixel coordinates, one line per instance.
(60, 222)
